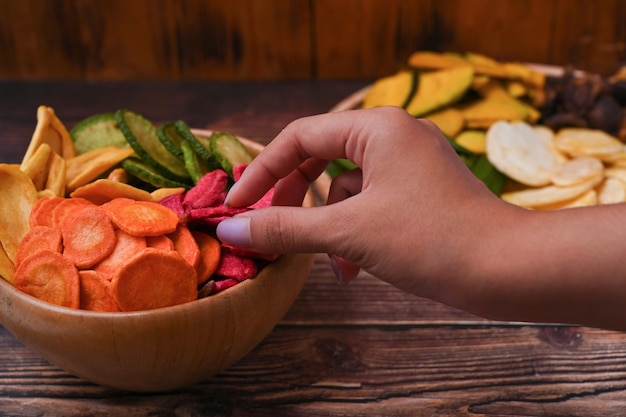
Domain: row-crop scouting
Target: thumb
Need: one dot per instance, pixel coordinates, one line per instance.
(280, 229)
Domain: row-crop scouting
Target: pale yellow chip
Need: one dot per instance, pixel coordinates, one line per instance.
(56, 178)
(7, 269)
(119, 175)
(88, 166)
(517, 151)
(50, 130)
(587, 142)
(17, 198)
(46, 193)
(612, 191)
(37, 166)
(161, 193)
(547, 135)
(587, 199)
(551, 194)
(577, 170)
(615, 172)
(103, 190)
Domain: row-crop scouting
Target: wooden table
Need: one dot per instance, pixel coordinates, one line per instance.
(362, 350)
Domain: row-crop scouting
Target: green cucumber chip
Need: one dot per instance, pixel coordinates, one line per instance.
(171, 139)
(229, 151)
(199, 144)
(147, 174)
(97, 131)
(196, 166)
(142, 136)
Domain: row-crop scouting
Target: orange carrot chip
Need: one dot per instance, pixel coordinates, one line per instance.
(49, 276)
(154, 278)
(95, 292)
(210, 253)
(141, 218)
(39, 238)
(88, 236)
(125, 246)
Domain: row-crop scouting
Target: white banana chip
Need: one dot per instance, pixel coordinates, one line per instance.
(550, 194)
(612, 191)
(520, 153)
(548, 135)
(587, 142)
(577, 170)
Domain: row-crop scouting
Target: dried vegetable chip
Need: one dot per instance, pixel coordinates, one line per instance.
(51, 131)
(236, 267)
(39, 238)
(7, 268)
(521, 154)
(587, 142)
(141, 218)
(549, 194)
(51, 277)
(104, 190)
(88, 235)
(577, 170)
(125, 245)
(612, 190)
(95, 292)
(17, 199)
(154, 278)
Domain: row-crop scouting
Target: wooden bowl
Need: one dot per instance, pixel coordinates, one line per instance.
(161, 349)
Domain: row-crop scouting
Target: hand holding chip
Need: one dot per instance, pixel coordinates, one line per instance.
(416, 217)
(395, 217)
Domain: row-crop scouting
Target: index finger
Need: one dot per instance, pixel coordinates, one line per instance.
(323, 138)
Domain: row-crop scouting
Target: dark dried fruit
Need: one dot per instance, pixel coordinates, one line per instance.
(606, 114)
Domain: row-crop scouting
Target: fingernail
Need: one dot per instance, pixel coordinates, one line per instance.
(230, 192)
(344, 270)
(235, 231)
(336, 270)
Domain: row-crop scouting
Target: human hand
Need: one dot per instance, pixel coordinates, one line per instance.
(407, 216)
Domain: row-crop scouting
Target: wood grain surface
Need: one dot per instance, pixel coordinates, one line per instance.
(295, 39)
(366, 349)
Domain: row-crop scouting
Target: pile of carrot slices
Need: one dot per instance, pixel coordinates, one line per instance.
(122, 255)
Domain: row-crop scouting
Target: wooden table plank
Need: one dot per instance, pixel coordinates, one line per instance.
(363, 370)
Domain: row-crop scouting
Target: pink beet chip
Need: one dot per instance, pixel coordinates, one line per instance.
(265, 201)
(223, 285)
(174, 202)
(207, 191)
(206, 213)
(249, 253)
(238, 170)
(236, 267)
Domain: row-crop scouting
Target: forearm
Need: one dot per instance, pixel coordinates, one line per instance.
(565, 266)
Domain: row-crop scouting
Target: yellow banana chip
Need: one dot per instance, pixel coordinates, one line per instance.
(88, 166)
(103, 190)
(16, 202)
(36, 167)
(7, 269)
(50, 130)
(57, 171)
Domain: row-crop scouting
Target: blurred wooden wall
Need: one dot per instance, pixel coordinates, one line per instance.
(295, 39)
